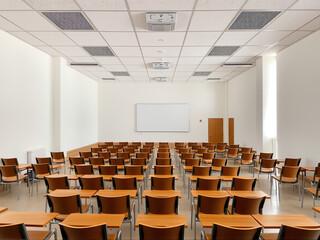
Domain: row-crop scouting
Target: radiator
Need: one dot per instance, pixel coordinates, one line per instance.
(33, 153)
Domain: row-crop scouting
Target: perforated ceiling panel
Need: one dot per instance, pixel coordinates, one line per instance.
(99, 51)
(223, 51)
(200, 74)
(69, 20)
(253, 20)
(120, 74)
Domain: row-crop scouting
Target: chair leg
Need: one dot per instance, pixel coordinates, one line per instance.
(19, 191)
(279, 191)
(314, 204)
(195, 227)
(131, 229)
(299, 191)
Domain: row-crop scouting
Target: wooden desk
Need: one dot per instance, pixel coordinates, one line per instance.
(139, 177)
(161, 220)
(194, 178)
(115, 193)
(66, 192)
(105, 177)
(239, 221)
(161, 193)
(30, 219)
(248, 194)
(21, 167)
(3, 209)
(70, 176)
(83, 220)
(209, 193)
(163, 176)
(275, 221)
(229, 178)
(317, 209)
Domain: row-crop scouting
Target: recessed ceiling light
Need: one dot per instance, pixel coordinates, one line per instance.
(161, 51)
(160, 40)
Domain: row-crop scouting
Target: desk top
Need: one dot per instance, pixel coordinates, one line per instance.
(161, 193)
(161, 220)
(66, 192)
(240, 221)
(210, 193)
(248, 194)
(115, 193)
(21, 167)
(163, 176)
(70, 176)
(229, 178)
(275, 221)
(30, 219)
(83, 220)
(3, 209)
(139, 177)
(194, 178)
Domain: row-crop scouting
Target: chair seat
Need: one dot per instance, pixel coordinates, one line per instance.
(14, 178)
(94, 154)
(312, 191)
(62, 217)
(264, 170)
(216, 169)
(221, 151)
(310, 178)
(207, 161)
(232, 155)
(200, 154)
(127, 160)
(269, 236)
(246, 162)
(41, 176)
(38, 235)
(285, 179)
(208, 236)
(112, 236)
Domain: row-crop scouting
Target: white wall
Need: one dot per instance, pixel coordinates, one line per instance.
(298, 100)
(117, 109)
(25, 98)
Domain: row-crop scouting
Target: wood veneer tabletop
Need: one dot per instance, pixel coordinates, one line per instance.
(163, 176)
(194, 178)
(210, 193)
(317, 209)
(70, 176)
(161, 220)
(240, 221)
(139, 177)
(81, 192)
(83, 220)
(30, 219)
(21, 167)
(115, 193)
(229, 178)
(3, 209)
(161, 193)
(248, 194)
(275, 221)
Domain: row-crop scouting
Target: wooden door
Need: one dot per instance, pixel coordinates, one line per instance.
(231, 130)
(215, 130)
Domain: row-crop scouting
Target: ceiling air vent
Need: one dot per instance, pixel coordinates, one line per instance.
(253, 20)
(120, 74)
(213, 79)
(69, 20)
(201, 74)
(99, 51)
(161, 79)
(109, 79)
(237, 65)
(158, 21)
(223, 50)
(161, 65)
(83, 64)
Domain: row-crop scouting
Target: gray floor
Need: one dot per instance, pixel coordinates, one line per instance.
(289, 203)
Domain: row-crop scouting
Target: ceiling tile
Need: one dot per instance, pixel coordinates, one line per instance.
(250, 50)
(292, 20)
(201, 38)
(14, 5)
(173, 60)
(197, 79)
(269, 37)
(53, 4)
(139, 20)
(207, 67)
(239, 59)
(218, 74)
(194, 51)
(179, 79)
(235, 38)
(127, 39)
(127, 51)
(190, 60)
(49, 50)
(136, 68)
(188, 68)
(183, 74)
(268, 5)
(102, 5)
(110, 21)
(54, 38)
(273, 50)
(160, 51)
(163, 5)
(83, 59)
(87, 38)
(107, 60)
(132, 60)
(313, 25)
(153, 74)
(219, 4)
(161, 38)
(211, 20)
(28, 38)
(29, 21)
(139, 74)
(104, 74)
(115, 68)
(307, 4)
(141, 79)
(71, 51)
(8, 26)
(214, 60)
(95, 69)
(294, 37)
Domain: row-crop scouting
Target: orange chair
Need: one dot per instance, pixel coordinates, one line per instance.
(169, 233)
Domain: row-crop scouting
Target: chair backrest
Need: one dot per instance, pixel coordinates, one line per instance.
(246, 149)
(108, 169)
(124, 143)
(41, 168)
(212, 205)
(208, 156)
(247, 206)
(133, 170)
(114, 204)
(196, 147)
(125, 155)
(8, 171)
(233, 146)
(86, 155)
(163, 155)
(109, 144)
(138, 161)
(124, 183)
(118, 146)
(163, 150)
(64, 204)
(112, 149)
(292, 233)
(192, 161)
(266, 156)
(129, 149)
(103, 146)
(96, 160)
(211, 148)
(247, 156)
(95, 150)
(136, 143)
(184, 150)
(221, 232)
(201, 170)
(96, 232)
(14, 231)
(47, 160)
(268, 163)
(142, 155)
(191, 144)
(76, 160)
(233, 151)
(316, 174)
(169, 233)
(219, 162)
(208, 184)
(145, 150)
(202, 150)
(230, 171)
(178, 144)
(104, 155)
(243, 184)
(9, 161)
(160, 183)
(290, 172)
(116, 161)
(187, 155)
(56, 182)
(163, 169)
(162, 205)
(91, 183)
(57, 155)
(163, 161)
(83, 169)
(221, 147)
(292, 161)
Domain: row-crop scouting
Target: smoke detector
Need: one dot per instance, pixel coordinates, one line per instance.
(161, 79)
(158, 21)
(161, 65)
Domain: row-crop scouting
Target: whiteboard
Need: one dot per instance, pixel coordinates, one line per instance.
(162, 117)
